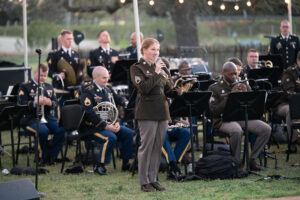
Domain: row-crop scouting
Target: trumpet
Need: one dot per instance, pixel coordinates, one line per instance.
(42, 111)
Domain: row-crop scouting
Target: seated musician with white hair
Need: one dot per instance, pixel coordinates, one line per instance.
(107, 133)
(235, 130)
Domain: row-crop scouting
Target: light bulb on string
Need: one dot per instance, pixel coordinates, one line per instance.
(122, 1)
(181, 1)
(222, 7)
(209, 2)
(236, 7)
(286, 1)
(151, 2)
(249, 3)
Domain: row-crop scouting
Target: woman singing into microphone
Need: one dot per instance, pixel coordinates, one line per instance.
(152, 111)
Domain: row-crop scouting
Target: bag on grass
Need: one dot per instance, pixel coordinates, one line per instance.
(217, 166)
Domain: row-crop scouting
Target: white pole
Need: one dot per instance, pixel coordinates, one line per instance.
(290, 15)
(137, 28)
(25, 38)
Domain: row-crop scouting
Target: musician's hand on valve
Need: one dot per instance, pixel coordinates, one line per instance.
(117, 127)
(240, 87)
(110, 128)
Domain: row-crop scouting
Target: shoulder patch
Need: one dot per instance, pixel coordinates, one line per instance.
(89, 62)
(137, 79)
(50, 61)
(87, 102)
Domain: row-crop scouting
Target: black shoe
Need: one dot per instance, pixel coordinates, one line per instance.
(175, 175)
(254, 166)
(126, 167)
(101, 170)
(157, 186)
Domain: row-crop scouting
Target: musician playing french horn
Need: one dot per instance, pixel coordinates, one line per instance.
(27, 96)
(101, 130)
(220, 90)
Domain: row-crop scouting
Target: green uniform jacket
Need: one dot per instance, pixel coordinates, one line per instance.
(218, 99)
(153, 90)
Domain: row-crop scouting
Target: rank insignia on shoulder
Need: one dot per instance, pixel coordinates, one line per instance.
(137, 79)
(89, 62)
(87, 102)
(21, 93)
(49, 61)
(223, 92)
(49, 92)
(91, 87)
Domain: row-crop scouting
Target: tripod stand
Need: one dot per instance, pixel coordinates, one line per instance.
(188, 105)
(244, 106)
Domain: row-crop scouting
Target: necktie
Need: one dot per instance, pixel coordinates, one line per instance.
(107, 51)
(70, 52)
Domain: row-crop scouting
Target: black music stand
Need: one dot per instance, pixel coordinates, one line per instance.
(244, 106)
(9, 118)
(188, 105)
(121, 71)
(272, 74)
(276, 60)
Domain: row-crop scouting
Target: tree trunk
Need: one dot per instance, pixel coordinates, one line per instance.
(184, 19)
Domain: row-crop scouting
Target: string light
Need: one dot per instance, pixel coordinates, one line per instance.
(151, 2)
(249, 3)
(122, 1)
(181, 1)
(236, 7)
(286, 1)
(209, 2)
(222, 7)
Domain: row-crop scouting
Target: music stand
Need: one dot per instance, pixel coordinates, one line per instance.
(244, 106)
(188, 105)
(276, 60)
(121, 71)
(272, 74)
(8, 116)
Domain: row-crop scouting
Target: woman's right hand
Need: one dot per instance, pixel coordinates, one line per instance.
(158, 65)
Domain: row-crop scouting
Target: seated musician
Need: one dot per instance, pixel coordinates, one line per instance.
(290, 84)
(96, 128)
(252, 62)
(182, 137)
(27, 96)
(217, 102)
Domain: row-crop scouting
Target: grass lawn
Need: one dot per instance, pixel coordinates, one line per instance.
(121, 185)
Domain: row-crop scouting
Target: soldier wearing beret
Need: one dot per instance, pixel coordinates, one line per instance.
(286, 45)
(104, 55)
(27, 96)
(217, 102)
(290, 84)
(96, 128)
(152, 112)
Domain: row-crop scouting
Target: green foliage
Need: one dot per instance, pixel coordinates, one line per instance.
(40, 33)
(11, 31)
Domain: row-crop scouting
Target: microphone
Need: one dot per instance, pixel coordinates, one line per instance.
(38, 51)
(164, 68)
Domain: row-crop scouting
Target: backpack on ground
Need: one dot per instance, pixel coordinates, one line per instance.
(217, 165)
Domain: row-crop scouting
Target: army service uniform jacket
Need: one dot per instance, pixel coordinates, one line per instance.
(55, 56)
(98, 57)
(287, 49)
(26, 96)
(153, 90)
(90, 97)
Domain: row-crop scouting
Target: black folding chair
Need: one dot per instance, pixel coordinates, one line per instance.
(72, 116)
(294, 103)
